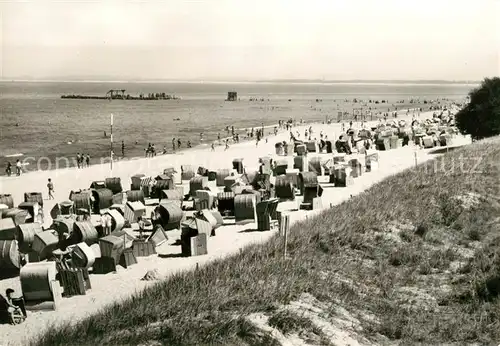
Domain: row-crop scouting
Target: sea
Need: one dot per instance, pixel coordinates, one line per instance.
(37, 126)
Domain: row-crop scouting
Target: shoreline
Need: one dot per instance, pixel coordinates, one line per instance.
(53, 161)
(103, 160)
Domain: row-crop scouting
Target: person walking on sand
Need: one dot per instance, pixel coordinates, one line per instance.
(18, 167)
(78, 160)
(213, 146)
(227, 145)
(50, 187)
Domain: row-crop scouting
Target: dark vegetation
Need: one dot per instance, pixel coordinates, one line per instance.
(481, 117)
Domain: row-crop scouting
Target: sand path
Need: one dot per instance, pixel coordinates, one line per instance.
(229, 239)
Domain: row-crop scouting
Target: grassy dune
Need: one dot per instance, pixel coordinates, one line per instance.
(414, 259)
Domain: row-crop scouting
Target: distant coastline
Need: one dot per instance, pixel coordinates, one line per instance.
(270, 81)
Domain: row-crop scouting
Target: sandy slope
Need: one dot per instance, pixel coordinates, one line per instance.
(229, 239)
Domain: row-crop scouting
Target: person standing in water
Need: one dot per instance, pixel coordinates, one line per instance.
(87, 159)
(123, 149)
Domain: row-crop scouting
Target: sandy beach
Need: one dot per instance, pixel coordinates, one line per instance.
(229, 239)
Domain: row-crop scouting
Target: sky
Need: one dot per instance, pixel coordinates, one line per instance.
(251, 40)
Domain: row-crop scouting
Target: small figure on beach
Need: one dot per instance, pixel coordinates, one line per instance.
(39, 217)
(106, 223)
(105, 134)
(227, 145)
(8, 170)
(50, 187)
(179, 143)
(123, 149)
(141, 224)
(87, 159)
(218, 137)
(11, 309)
(18, 167)
(78, 160)
(213, 147)
(164, 150)
(173, 144)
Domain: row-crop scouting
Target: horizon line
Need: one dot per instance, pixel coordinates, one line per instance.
(242, 81)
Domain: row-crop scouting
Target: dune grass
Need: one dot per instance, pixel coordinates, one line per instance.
(416, 258)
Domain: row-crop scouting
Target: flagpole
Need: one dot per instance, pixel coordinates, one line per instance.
(111, 149)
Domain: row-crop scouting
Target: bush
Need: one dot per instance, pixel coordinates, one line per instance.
(481, 117)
